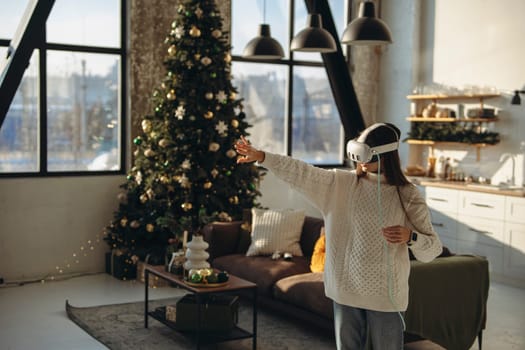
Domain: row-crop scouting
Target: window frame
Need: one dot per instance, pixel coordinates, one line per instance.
(290, 63)
(41, 50)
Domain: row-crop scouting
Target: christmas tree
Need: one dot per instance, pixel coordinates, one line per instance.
(185, 173)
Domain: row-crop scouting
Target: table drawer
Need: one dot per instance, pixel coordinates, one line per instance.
(442, 199)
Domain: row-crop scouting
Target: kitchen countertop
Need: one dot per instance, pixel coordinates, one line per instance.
(473, 187)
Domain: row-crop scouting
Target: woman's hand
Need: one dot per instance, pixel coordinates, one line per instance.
(248, 152)
(396, 234)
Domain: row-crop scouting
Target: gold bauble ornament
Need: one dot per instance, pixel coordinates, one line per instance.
(146, 125)
(164, 179)
(186, 206)
(164, 143)
(171, 95)
(207, 185)
(216, 33)
(143, 198)
(208, 115)
(235, 123)
(150, 193)
(195, 32)
(214, 147)
(172, 50)
(208, 95)
(149, 153)
(234, 200)
(123, 222)
(150, 228)
(197, 56)
(227, 58)
(206, 61)
(231, 153)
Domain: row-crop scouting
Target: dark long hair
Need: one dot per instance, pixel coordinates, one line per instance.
(390, 161)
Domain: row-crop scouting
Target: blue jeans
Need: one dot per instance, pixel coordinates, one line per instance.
(353, 324)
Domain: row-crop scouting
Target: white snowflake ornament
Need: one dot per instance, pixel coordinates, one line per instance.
(221, 128)
(184, 181)
(221, 96)
(186, 164)
(179, 113)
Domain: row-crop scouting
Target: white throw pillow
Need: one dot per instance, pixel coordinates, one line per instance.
(276, 230)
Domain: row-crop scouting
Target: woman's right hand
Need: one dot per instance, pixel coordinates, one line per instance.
(248, 152)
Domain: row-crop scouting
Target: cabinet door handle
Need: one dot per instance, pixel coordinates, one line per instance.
(437, 199)
(438, 224)
(482, 205)
(480, 232)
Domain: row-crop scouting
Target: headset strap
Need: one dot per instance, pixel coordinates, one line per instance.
(385, 148)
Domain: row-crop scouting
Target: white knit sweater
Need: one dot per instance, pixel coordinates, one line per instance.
(361, 269)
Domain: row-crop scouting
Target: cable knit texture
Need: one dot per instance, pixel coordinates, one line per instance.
(361, 268)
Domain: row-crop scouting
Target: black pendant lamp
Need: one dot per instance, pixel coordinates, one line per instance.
(263, 46)
(367, 29)
(314, 38)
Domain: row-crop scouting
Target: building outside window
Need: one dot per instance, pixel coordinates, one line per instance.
(288, 102)
(67, 115)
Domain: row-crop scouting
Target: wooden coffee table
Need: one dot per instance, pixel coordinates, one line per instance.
(234, 285)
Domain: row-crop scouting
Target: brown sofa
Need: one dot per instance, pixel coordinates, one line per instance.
(447, 302)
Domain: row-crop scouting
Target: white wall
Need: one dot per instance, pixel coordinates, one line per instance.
(460, 43)
(45, 221)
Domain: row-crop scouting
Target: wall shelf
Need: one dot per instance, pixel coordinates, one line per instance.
(436, 144)
(451, 120)
(418, 101)
(441, 97)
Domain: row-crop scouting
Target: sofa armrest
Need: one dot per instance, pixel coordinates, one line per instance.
(448, 300)
(223, 238)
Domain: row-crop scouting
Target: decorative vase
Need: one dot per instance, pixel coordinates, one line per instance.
(196, 254)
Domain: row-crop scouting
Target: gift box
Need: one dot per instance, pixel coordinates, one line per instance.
(120, 266)
(171, 313)
(217, 312)
(154, 281)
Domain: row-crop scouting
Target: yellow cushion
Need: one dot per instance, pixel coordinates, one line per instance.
(317, 263)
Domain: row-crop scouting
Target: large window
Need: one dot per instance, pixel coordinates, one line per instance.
(288, 102)
(67, 115)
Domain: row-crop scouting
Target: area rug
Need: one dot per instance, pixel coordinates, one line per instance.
(121, 326)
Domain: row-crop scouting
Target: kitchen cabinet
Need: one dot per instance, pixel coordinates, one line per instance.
(514, 262)
(490, 225)
(480, 227)
(443, 206)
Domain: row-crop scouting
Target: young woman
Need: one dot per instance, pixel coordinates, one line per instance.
(373, 215)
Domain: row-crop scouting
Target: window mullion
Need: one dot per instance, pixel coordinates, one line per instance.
(42, 103)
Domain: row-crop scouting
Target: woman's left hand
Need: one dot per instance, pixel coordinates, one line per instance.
(396, 234)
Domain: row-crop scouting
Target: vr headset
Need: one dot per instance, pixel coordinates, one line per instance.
(359, 151)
